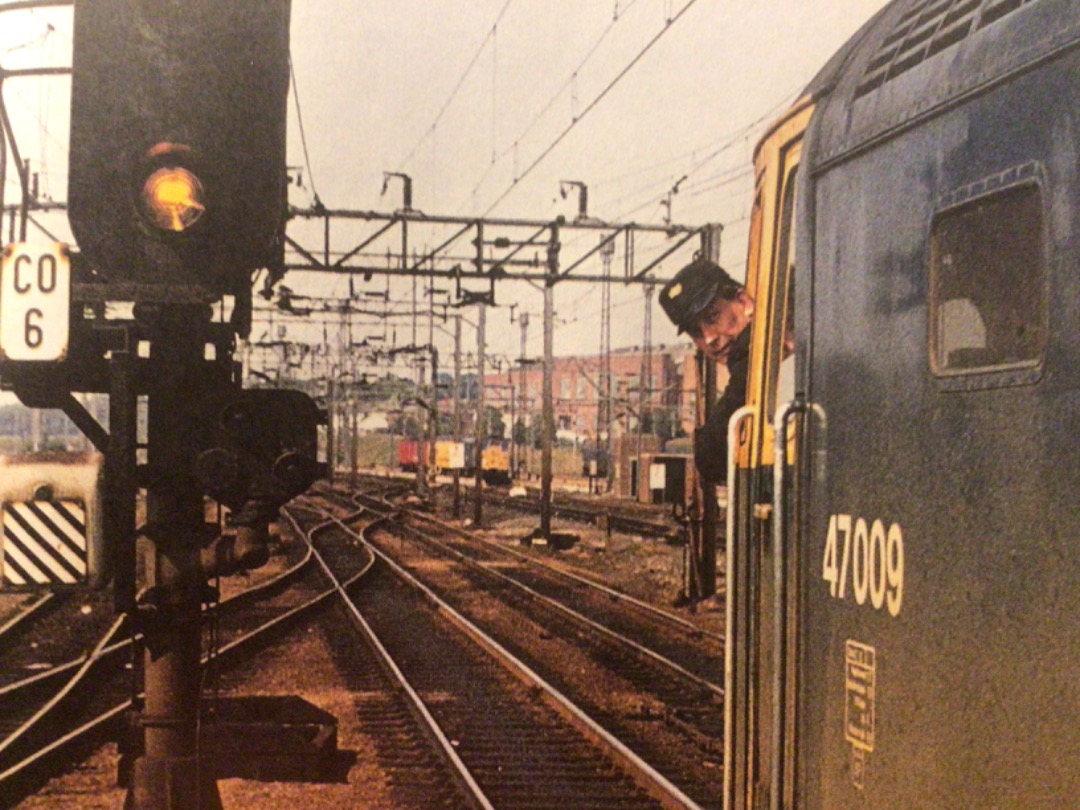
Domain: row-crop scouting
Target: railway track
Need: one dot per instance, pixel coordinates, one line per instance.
(54, 629)
(53, 717)
(628, 518)
(564, 583)
(466, 715)
(508, 736)
(23, 613)
(616, 519)
(665, 669)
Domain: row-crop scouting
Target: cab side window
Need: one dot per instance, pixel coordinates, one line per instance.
(784, 389)
(987, 283)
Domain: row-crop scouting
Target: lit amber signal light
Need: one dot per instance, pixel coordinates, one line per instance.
(173, 198)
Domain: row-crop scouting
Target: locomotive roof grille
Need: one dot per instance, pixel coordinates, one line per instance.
(926, 28)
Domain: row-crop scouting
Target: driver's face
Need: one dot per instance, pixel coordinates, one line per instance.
(720, 323)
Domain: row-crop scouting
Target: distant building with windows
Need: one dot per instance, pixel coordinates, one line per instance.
(665, 390)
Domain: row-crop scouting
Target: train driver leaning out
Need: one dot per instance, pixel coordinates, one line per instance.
(715, 310)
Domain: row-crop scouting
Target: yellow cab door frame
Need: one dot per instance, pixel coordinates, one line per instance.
(759, 646)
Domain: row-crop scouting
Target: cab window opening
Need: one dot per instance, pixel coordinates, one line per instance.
(987, 283)
(783, 346)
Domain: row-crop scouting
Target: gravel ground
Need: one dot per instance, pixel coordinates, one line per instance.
(646, 568)
(12, 603)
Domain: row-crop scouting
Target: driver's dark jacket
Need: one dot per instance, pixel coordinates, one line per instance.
(710, 439)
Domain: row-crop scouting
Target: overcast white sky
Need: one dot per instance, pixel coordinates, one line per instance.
(386, 85)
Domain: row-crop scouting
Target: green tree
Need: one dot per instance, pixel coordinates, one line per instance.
(408, 425)
(494, 426)
(664, 426)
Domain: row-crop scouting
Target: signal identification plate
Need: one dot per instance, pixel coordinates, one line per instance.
(35, 302)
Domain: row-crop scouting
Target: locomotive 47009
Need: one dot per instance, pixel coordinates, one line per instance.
(903, 558)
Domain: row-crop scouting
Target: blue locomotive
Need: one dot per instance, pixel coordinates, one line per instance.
(902, 553)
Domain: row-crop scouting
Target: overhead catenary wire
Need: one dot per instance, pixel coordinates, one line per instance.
(692, 190)
(717, 180)
(730, 176)
(592, 104)
(714, 180)
(44, 96)
(38, 111)
(42, 16)
(571, 81)
(726, 141)
(300, 125)
(591, 314)
(494, 90)
(763, 120)
(453, 93)
(30, 43)
(44, 130)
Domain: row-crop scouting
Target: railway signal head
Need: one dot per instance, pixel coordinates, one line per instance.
(172, 198)
(178, 176)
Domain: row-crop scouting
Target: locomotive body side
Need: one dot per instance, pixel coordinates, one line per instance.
(937, 614)
(496, 462)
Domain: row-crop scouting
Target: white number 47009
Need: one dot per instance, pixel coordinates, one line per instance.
(870, 558)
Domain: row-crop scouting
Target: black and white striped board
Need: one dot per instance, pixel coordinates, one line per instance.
(44, 543)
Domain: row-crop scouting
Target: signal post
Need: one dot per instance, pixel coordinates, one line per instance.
(167, 774)
(177, 195)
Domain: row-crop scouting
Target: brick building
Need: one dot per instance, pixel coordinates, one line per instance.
(667, 394)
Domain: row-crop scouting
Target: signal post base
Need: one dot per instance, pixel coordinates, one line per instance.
(172, 783)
